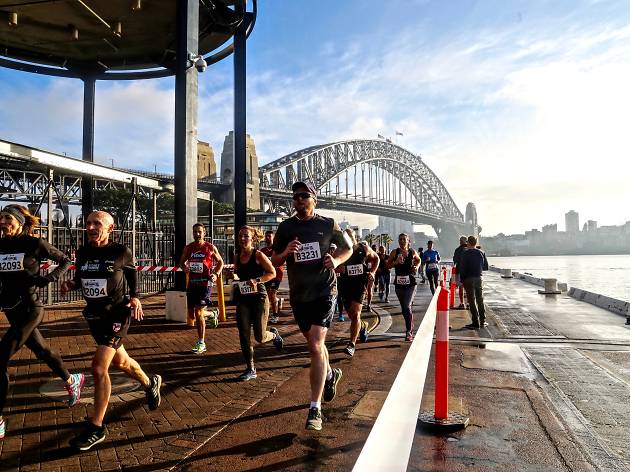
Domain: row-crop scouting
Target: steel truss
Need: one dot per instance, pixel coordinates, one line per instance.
(377, 175)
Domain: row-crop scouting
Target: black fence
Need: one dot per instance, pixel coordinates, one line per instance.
(153, 248)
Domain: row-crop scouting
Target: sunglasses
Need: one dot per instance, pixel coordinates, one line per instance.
(303, 195)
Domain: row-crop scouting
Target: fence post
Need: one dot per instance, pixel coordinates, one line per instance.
(49, 223)
(439, 419)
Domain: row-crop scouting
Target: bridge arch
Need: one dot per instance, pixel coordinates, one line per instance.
(391, 169)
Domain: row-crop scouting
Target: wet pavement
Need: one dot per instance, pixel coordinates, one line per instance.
(544, 386)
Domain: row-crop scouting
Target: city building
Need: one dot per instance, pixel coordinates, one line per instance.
(227, 171)
(206, 166)
(572, 222)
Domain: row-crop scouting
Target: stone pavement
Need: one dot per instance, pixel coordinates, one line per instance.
(200, 394)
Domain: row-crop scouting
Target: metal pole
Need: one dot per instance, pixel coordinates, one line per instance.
(211, 221)
(186, 91)
(87, 183)
(240, 122)
(154, 226)
(134, 190)
(50, 227)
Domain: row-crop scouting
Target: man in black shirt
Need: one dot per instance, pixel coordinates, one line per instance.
(303, 241)
(456, 258)
(472, 263)
(102, 268)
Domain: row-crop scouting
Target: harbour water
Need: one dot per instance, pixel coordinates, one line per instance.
(607, 275)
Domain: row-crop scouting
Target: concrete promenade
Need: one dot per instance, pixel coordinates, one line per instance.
(545, 387)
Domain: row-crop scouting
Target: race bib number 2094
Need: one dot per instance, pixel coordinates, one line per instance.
(94, 288)
(11, 262)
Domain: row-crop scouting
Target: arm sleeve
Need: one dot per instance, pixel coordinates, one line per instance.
(461, 267)
(131, 275)
(48, 251)
(485, 261)
(280, 240)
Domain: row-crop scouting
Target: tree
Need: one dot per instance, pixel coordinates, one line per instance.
(117, 202)
(370, 238)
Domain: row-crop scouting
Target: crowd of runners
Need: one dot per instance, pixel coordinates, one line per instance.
(327, 269)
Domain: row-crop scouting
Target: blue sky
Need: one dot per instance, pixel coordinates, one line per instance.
(520, 107)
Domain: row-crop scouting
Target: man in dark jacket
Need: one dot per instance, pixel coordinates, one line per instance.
(471, 265)
(457, 255)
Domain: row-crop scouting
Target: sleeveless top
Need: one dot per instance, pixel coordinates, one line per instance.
(246, 271)
(404, 274)
(356, 265)
(200, 261)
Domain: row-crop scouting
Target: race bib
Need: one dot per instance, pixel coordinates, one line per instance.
(432, 266)
(245, 288)
(94, 288)
(308, 252)
(355, 269)
(402, 280)
(11, 262)
(196, 267)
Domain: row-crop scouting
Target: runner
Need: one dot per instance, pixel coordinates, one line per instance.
(254, 270)
(405, 262)
(353, 284)
(103, 267)
(383, 275)
(274, 284)
(20, 254)
(203, 264)
(431, 261)
(339, 304)
(371, 288)
(421, 272)
(303, 242)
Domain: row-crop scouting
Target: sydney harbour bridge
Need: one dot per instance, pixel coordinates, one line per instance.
(374, 177)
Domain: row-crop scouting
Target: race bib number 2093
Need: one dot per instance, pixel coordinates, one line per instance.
(11, 262)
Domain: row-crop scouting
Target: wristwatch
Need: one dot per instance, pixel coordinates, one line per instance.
(258, 280)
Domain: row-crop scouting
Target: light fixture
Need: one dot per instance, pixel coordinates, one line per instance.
(13, 18)
(198, 61)
(136, 5)
(118, 28)
(75, 32)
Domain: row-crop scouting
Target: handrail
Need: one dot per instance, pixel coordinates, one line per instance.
(389, 444)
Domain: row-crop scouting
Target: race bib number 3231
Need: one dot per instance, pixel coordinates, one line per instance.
(11, 262)
(308, 252)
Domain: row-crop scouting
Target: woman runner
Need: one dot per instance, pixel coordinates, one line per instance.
(253, 269)
(20, 255)
(405, 262)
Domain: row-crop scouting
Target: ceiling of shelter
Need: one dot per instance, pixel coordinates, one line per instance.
(106, 34)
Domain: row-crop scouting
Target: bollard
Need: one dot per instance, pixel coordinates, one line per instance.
(440, 419)
(452, 290)
(221, 299)
(551, 287)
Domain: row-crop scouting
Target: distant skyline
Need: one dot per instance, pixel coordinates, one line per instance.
(520, 107)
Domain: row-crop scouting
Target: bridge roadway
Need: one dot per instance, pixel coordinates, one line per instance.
(545, 387)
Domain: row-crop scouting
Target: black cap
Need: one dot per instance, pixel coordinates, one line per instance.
(307, 185)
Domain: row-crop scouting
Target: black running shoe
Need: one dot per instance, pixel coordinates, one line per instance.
(363, 333)
(89, 437)
(349, 349)
(314, 420)
(277, 340)
(153, 392)
(330, 387)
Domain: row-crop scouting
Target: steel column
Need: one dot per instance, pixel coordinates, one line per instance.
(154, 225)
(186, 91)
(87, 183)
(134, 194)
(240, 123)
(49, 224)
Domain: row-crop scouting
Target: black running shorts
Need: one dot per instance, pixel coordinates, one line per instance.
(198, 295)
(109, 327)
(318, 312)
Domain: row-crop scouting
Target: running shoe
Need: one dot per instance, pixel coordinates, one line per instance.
(3, 428)
(74, 389)
(199, 347)
(341, 317)
(409, 336)
(349, 349)
(472, 326)
(461, 307)
(249, 374)
(273, 319)
(314, 420)
(153, 392)
(277, 340)
(363, 333)
(330, 387)
(89, 437)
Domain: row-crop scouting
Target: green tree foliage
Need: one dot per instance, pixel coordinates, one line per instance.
(117, 202)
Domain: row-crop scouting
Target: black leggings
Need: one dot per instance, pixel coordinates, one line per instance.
(23, 320)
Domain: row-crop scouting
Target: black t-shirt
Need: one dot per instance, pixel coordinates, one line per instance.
(308, 278)
(20, 257)
(101, 275)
